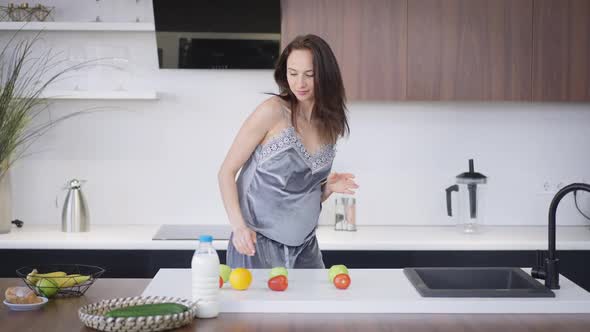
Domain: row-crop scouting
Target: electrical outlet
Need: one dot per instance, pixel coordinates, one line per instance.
(552, 187)
(548, 188)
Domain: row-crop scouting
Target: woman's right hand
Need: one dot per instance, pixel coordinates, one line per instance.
(244, 239)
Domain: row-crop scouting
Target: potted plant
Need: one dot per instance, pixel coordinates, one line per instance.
(24, 76)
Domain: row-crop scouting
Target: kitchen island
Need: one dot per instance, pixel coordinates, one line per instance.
(61, 315)
(370, 291)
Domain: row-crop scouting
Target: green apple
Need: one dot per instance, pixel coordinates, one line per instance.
(224, 272)
(278, 271)
(47, 287)
(336, 270)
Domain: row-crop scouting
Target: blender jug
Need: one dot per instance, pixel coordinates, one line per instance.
(471, 189)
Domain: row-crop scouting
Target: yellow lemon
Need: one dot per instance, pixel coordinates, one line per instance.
(240, 278)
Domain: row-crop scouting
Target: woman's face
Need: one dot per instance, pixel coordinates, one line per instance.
(300, 74)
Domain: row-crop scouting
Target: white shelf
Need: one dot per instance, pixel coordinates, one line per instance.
(77, 26)
(114, 95)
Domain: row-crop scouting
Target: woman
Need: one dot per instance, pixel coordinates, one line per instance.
(285, 150)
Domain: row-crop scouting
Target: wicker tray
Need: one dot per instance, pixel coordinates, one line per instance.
(93, 315)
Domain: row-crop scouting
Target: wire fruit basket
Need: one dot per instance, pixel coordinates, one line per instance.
(59, 280)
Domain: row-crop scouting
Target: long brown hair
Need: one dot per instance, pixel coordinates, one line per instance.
(329, 97)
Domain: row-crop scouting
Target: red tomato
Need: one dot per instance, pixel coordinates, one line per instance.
(278, 283)
(220, 282)
(342, 281)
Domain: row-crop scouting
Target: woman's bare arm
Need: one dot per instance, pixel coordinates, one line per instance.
(253, 131)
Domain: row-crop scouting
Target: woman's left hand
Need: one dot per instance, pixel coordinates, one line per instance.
(342, 183)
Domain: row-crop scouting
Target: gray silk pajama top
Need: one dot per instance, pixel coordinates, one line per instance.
(279, 188)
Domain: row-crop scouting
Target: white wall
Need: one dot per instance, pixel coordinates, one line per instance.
(156, 161)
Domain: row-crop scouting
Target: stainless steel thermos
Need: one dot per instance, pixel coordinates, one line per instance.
(75, 216)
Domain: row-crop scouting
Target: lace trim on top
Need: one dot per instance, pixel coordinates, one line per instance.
(288, 138)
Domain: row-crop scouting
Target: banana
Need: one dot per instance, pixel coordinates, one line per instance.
(31, 277)
(51, 274)
(70, 280)
(63, 282)
(34, 276)
(60, 278)
(81, 279)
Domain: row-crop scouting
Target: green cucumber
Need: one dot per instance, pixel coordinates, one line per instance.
(153, 309)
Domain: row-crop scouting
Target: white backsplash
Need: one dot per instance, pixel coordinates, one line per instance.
(154, 162)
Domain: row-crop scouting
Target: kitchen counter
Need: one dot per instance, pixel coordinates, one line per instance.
(138, 237)
(61, 315)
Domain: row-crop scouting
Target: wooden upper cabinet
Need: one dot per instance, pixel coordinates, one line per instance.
(367, 37)
(469, 49)
(561, 42)
(520, 50)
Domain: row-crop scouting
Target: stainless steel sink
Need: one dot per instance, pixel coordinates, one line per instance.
(475, 282)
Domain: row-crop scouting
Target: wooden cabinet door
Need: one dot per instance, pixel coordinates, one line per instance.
(469, 49)
(561, 43)
(367, 37)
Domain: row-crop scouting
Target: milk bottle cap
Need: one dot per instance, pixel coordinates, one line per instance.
(205, 238)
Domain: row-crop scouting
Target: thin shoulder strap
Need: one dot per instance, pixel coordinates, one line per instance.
(286, 113)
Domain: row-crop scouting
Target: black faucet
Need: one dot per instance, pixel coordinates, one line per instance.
(549, 269)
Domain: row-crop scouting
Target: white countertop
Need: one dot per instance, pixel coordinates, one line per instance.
(139, 237)
(370, 291)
